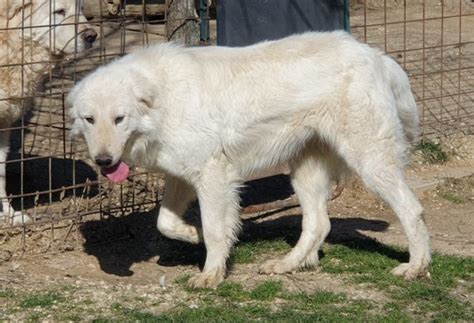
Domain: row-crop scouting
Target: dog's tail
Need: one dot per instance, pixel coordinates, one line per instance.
(405, 101)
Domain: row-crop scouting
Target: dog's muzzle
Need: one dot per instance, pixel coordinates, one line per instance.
(89, 36)
(104, 160)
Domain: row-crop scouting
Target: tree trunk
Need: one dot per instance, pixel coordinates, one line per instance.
(182, 24)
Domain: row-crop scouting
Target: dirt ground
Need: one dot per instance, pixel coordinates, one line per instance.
(126, 258)
(115, 257)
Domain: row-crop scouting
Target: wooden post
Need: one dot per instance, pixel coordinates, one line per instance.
(182, 23)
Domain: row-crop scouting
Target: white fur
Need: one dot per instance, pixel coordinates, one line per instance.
(209, 117)
(24, 43)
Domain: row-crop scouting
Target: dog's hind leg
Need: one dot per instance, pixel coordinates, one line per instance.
(382, 171)
(217, 190)
(178, 195)
(311, 178)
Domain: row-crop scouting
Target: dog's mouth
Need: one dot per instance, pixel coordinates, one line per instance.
(117, 173)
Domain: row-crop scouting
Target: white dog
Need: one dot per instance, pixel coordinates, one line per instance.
(209, 117)
(33, 31)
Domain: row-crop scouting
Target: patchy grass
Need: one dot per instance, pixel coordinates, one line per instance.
(452, 197)
(266, 291)
(133, 315)
(35, 317)
(434, 301)
(293, 307)
(457, 190)
(370, 262)
(41, 300)
(247, 252)
(363, 264)
(432, 152)
(361, 261)
(182, 280)
(7, 293)
(71, 318)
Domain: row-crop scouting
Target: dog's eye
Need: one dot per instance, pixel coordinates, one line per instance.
(89, 120)
(119, 119)
(60, 12)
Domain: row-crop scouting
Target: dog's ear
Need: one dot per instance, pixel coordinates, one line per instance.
(143, 93)
(146, 101)
(76, 129)
(76, 126)
(9, 8)
(72, 95)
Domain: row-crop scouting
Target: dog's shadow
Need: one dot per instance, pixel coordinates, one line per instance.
(43, 179)
(118, 243)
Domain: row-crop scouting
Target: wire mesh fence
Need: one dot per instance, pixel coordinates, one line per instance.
(433, 41)
(52, 186)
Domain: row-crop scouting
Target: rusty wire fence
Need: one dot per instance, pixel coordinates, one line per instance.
(50, 181)
(434, 41)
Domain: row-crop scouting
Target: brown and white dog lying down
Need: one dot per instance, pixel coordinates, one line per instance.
(210, 117)
(57, 28)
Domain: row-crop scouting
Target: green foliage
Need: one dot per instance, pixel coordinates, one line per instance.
(7, 293)
(432, 152)
(183, 279)
(452, 197)
(128, 314)
(248, 252)
(369, 262)
(41, 300)
(267, 290)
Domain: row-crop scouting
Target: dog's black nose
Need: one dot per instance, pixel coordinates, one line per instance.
(89, 35)
(103, 160)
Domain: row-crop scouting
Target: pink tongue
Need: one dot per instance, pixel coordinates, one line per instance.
(117, 173)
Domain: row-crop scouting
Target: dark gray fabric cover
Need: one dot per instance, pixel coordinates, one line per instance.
(244, 22)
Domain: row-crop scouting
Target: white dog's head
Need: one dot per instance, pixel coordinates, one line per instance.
(55, 24)
(109, 108)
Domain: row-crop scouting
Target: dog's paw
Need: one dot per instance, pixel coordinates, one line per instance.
(275, 266)
(19, 219)
(207, 279)
(15, 217)
(196, 236)
(410, 271)
(7, 212)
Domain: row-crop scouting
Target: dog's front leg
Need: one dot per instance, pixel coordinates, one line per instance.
(170, 223)
(217, 191)
(6, 210)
